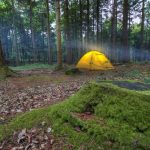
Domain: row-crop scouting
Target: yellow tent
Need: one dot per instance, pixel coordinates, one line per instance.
(94, 60)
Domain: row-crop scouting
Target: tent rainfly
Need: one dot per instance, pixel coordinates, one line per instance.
(94, 60)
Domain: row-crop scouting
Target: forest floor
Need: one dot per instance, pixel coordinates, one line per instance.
(38, 88)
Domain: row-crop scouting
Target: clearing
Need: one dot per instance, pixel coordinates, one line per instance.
(96, 115)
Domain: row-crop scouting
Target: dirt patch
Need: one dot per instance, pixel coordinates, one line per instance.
(84, 116)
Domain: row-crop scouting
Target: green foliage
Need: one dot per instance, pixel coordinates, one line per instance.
(4, 6)
(120, 118)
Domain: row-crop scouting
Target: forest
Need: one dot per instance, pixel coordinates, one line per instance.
(120, 29)
(74, 74)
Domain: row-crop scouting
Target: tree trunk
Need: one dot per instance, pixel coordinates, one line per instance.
(114, 29)
(81, 30)
(88, 20)
(4, 70)
(14, 39)
(2, 62)
(125, 31)
(101, 25)
(97, 19)
(48, 34)
(142, 24)
(67, 32)
(58, 32)
(32, 32)
(129, 22)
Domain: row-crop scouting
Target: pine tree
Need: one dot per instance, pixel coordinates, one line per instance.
(114, 28)
(142, 24)
(125, 30)
(58, 32)
(48, 34)
(32, 31)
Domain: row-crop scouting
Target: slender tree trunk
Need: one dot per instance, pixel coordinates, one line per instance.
(2, 62)
(94, 40)
(97, 19)
(142, 24)
(32, 32)
(58, 32)
(129, 22)
(67, 32)
(76, 51)
(14, 39)
(125, 30)
(101, 25)
(88, 20)
(43, 25)
(48, 34)
(114, 29)
(81, 27)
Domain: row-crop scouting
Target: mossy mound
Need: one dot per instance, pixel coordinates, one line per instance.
(6, 72)
(99, 116)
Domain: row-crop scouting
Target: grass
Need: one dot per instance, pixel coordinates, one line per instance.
(33, 66)
(121, 119)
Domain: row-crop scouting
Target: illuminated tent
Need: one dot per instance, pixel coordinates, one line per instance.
(94, 60)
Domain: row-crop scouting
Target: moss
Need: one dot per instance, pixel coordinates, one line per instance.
(6, 72)
(122, 118)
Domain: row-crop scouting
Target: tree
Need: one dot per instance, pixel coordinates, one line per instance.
(81, 25)
(88, 20)
(31, 2)
(48, 34)
(28, 34)
(125, 30)
(97, 20)
(4, 69)
(58, 33)
(67, 31)
(114, 27)
(2, 62)
(142, 24)
(14, 38)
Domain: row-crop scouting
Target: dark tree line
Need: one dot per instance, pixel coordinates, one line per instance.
(52, 31)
